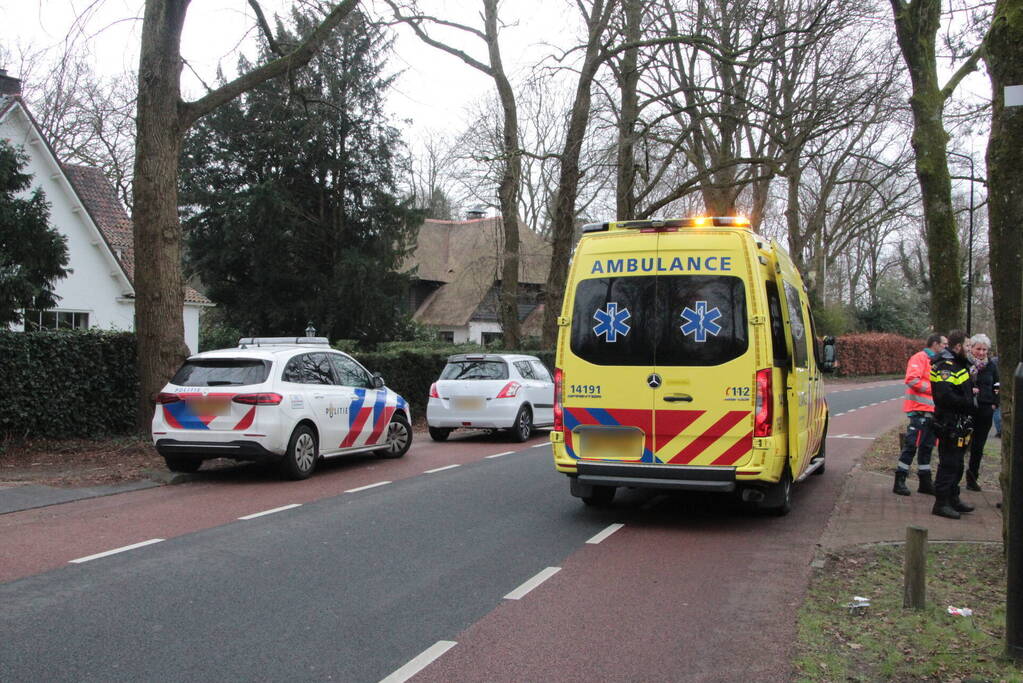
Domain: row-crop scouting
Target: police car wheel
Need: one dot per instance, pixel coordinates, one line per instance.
(439, 433)
(601, 496)
(523, 427)
(300, 458)
(779, 496)
(180, 464)
(399, 438)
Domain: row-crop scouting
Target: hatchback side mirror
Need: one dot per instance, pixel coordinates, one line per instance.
(378, 381)
(829, 359)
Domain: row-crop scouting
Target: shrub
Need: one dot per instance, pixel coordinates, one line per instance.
(874, 353)
(67, 383)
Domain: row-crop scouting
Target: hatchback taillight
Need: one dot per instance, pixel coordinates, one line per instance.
(267, 399)
(764, 410)
(510, 390)
(433, 391)
(559, 409)
(164, 398)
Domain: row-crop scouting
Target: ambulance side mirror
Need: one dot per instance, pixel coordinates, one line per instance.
(829, 361)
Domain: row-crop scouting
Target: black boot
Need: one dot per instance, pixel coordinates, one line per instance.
(971, 481)
(960, 506)
(900, 487)
(942, 508)
(926, 485)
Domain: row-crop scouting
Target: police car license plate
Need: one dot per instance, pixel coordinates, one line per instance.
(467, 403)
(210, 406)
(617, 444)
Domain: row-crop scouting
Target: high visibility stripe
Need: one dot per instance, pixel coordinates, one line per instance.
(246, 421)
(715, 432)
(381, 423)
(918, 398)
(356, 429)
(913, 382)
(736, 451)
(671, 423)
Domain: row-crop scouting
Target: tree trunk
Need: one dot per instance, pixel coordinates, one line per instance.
(508, 189)
(563, 224)
(916, 25)
(628, 83)
(1005, 205)
(159, 288)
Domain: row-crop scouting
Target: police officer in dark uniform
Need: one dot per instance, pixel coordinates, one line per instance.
(954, 407)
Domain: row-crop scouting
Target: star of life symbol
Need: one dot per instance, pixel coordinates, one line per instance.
(700, 322)
(611, 323)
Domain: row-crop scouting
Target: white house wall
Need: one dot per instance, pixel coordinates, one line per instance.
(96, 285)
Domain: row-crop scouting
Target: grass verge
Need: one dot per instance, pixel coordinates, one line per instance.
(885, 642)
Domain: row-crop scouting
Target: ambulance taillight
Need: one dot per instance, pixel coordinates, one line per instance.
(559, 412)
(765, 402)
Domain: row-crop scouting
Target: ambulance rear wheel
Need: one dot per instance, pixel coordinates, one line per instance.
(778, 501)
(601, 496)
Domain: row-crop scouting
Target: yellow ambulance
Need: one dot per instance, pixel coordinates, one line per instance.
(687, 360)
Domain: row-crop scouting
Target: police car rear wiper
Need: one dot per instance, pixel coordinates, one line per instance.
(220, 382)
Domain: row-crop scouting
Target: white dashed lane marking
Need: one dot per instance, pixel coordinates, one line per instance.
(116, 550)
(605, 533)
(368, 486)
(498, 455)
(420, 662)
(522, 590)
(441, 469)
(270, 512)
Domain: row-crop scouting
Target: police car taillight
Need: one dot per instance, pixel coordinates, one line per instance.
(510, 390)
(764, 405)
(164, 398)
(559, 409)
(268, 399)
(433, 391)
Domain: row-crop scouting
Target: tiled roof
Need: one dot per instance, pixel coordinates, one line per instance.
(102, 203)
(466, 256)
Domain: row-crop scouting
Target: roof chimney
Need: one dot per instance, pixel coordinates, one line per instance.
(8, 84)
(476, 213)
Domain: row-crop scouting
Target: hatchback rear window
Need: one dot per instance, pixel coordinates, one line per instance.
(476, 369)
(680, 320)
(221, 372)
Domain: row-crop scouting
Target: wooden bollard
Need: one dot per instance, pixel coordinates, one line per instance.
(914, 591)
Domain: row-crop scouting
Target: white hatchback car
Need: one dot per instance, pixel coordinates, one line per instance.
(491, 391)
(291, 400)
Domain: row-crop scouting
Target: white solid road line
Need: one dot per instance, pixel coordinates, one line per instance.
(541, 445)
(441, 469)
(519, 592)
(498, 455)
(369, 486)
(605, 533)
(421, 662)
(116, 550)
(270, 512)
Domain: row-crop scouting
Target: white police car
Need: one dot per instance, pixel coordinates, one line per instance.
(491, 391)
(291, 400)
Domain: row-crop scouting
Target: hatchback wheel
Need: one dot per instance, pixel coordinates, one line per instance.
(523, 427)
(300, 459)
(176, 463)
(399, 437)
(440, 433)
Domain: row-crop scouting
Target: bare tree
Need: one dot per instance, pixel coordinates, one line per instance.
(508, 185)
(163, 119)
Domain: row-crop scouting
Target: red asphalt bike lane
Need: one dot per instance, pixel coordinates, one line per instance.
(671, 596)
(41, 539)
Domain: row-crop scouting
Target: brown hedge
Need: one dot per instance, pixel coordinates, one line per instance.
(874, 353)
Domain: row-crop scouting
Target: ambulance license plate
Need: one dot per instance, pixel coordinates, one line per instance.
(625, 444)
(467, 403)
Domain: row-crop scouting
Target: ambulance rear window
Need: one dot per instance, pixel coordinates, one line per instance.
(666, 320)
(216, 372)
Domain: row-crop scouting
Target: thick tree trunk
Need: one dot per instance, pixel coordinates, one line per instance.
(508, 189)
(563, 224)
(159, 293)
(1005, 206)
(628, 84)
(917, 24)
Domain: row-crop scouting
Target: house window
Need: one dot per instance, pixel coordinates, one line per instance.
(491, 338)
(446, 336)
(55, 320)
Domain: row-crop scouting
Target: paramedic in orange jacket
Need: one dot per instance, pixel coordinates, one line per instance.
(919, 408)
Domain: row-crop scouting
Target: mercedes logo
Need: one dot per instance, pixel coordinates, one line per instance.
(654, 380)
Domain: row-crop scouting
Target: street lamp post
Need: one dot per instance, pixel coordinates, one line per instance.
(969, 248)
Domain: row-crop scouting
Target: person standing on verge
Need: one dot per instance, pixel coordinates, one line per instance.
(955, 404)
(919, 408)
(985, 377)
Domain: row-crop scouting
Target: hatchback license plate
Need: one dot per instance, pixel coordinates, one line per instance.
(467, 403)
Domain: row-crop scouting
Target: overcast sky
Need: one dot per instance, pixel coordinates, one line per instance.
(433, 90)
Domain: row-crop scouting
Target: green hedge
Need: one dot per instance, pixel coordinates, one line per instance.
(67, 383)
(410, 372)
